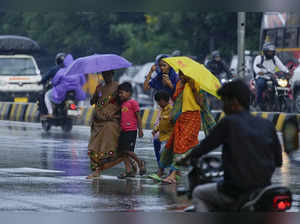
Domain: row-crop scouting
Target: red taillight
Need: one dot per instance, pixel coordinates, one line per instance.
(73, 106)
(281, 203)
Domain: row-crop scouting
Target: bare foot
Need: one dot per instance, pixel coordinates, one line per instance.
(170, 180)
(93, 175)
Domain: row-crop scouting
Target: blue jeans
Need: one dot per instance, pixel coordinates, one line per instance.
(261, 85)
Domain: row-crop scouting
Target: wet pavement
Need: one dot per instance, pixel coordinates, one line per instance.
(46, 172)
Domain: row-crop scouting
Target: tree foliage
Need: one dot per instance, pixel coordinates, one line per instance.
(137, 36)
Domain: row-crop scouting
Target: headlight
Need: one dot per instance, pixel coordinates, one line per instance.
(223, 80)
(282, 82)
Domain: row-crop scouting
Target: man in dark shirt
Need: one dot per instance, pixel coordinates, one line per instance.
(251, 150)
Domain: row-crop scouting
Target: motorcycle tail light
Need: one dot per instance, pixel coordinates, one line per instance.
(282, 203)
(73, 106)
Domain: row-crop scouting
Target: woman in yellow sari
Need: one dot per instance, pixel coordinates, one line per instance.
(187, 118)
(105, 127)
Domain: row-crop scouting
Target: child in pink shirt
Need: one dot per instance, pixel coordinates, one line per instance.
(130, 123)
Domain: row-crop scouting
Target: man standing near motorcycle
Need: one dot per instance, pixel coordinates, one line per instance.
(251, 151)
(268, 62)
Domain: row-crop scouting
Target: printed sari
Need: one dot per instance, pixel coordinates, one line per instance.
(105, 129)
(186, 129)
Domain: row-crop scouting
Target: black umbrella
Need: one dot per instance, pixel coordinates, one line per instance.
(14, 44)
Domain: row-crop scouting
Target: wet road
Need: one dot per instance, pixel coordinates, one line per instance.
(46, 172)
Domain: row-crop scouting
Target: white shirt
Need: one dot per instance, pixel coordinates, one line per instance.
(269, 65)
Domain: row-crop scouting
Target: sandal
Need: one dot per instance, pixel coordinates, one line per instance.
(133, 166)
(143, 168)
(124, 175)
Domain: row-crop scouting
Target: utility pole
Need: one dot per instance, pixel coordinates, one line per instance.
(241, 44)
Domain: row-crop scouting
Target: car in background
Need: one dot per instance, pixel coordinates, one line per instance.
(19, 72)
(19, 77)
(136, 76)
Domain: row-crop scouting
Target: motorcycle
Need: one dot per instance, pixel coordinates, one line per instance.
(277, 96)
(63, 114)
(223, 78)
(209, 169)
(214, 102)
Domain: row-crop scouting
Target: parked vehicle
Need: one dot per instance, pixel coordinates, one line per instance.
(63, 114)
(19, 72)
(19, 77)
(209, 169)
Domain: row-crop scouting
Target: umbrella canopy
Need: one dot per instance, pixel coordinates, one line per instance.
(198, 72)
(97, 63)
(12, 43)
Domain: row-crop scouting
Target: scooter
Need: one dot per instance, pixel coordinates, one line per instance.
(209, 169)
(63, 114)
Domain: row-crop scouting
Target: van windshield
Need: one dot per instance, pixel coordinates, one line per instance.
(17, 67)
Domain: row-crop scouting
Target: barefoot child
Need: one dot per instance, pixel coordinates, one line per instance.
(130, 122)
(165, 127)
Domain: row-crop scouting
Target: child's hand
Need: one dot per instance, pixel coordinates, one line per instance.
(141, 134)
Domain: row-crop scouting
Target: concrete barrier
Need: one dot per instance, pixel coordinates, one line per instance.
(18, 111)
(149, 117)
(5, 110)
(28, 112)
(32, 114)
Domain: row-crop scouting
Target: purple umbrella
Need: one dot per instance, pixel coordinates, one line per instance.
(97, 63)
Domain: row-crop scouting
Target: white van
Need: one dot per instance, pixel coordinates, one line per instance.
(19, 77)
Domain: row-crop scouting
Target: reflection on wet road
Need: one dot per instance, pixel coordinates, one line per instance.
(46, 172)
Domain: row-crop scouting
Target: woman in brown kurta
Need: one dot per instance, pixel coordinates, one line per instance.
(105, 127)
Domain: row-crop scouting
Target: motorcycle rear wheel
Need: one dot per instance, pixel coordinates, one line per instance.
(67, 125)
(46, 126)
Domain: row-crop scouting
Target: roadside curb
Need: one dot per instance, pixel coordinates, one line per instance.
(28, 112)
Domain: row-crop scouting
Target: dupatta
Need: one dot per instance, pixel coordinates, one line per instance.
(207, 119)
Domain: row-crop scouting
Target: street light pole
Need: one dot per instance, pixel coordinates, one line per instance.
(241, 44)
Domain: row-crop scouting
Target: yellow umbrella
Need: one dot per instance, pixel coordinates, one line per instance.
(207, 81)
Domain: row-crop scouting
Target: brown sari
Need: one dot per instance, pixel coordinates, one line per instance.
(105, 129)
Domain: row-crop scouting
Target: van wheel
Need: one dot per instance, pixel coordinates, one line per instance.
(46, 126)
(67, 126)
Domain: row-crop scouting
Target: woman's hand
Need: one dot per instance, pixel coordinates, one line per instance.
(192, 84)
(148, 77)
(154, 132)
(98, 88)
(196, 92)
(153, 68)
(166, 81)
